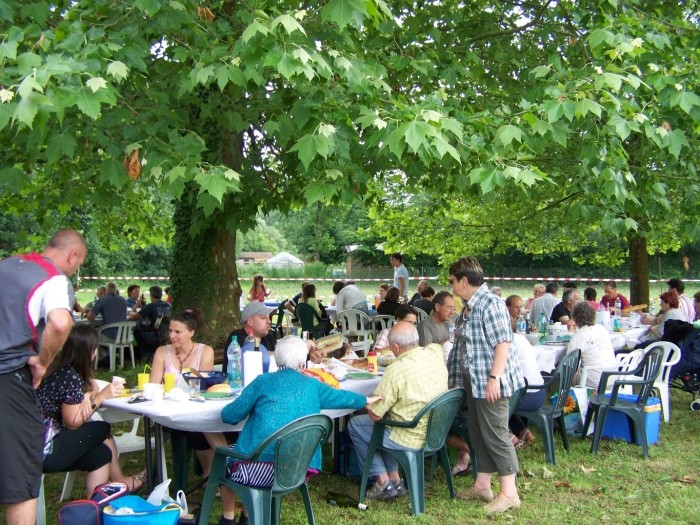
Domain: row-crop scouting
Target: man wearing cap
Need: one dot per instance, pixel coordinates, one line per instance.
(256, 322)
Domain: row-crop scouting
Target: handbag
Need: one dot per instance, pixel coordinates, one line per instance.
(134, 510)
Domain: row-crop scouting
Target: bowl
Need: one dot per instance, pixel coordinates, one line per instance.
(209, 378)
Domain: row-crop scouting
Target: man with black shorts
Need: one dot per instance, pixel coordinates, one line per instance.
(35, 319)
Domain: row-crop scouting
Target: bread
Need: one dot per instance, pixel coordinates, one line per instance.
(357, 363)
(223, 388)
(329, 343)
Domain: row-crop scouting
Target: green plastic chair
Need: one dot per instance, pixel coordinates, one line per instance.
(440, 412)
(544, 416)
(295, 444)
(599, 404)
(463, 431)
(310, 320)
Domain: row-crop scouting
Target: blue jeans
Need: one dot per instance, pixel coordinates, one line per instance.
(360, 429)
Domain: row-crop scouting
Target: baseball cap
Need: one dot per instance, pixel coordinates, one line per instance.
(255, 308)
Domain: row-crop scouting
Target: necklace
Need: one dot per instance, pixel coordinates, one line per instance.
(182, 361)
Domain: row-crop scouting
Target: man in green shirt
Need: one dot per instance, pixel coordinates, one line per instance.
(417, 377)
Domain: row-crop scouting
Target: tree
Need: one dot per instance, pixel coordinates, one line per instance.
(237, 109)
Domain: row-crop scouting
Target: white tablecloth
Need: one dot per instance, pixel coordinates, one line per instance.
(206, 417)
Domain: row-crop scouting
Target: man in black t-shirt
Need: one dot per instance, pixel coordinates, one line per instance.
(153, 321)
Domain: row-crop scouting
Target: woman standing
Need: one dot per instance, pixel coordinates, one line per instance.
(183, 354)
(69, 397)
(258, 291)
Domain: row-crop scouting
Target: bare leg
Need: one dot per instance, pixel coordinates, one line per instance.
(205, 458)
(458, 442)
(95, 478)
(508, 488)
(228, 503)
(215, 439)
(483, 481)
(23, 513)
(115, 470)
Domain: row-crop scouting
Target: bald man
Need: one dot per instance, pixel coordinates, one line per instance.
(35, 315)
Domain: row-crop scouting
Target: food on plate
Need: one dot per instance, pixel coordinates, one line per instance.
(357, 363)
(322, 375)
(222, 388)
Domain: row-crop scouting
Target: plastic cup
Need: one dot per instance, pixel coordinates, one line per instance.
(169, 379)
(153, 392)
(118, 379)
(194, 386)
(143, 379)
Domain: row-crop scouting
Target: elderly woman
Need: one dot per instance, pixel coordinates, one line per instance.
(537, 291)
(670, 309)
(597, 353)
(269, 403)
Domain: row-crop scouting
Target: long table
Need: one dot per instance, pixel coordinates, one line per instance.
(196, 417)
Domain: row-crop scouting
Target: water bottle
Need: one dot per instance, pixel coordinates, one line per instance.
(542, 327)
(233, 368)
(341, 500)
(521, 325)
(618, 307)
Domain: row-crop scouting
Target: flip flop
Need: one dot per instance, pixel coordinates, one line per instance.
(459, 471)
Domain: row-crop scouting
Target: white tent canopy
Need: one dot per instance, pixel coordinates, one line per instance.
(284, 260)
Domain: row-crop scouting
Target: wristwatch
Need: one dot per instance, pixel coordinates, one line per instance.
(497, 378)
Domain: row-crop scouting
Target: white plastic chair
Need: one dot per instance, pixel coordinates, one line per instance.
(127, 442)
(625, 363)
(357, 325)
(381, 322)
(41, 505)
(420, 314)
(672, 354)
(122, 341)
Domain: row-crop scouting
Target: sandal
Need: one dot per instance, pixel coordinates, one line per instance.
(141, 476)
(461, 471)
(526, 438)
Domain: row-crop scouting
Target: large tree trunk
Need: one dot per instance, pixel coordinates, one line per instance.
(639, 269)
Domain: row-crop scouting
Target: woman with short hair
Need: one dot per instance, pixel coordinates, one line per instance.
(597, 353)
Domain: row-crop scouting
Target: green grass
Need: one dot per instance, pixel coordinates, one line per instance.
(616, 486)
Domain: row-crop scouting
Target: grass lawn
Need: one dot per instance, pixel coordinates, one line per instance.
(616, 486)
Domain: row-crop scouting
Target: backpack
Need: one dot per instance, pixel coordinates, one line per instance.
(89, 511)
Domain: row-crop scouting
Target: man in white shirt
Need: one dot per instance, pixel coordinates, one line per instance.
(686, 304)
(400, 274)
(545, 304)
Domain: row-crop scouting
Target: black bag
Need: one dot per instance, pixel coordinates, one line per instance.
(89, 511)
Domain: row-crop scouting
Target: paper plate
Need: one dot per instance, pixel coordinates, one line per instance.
(360, 375)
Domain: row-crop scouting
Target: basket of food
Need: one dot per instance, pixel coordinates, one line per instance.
(206, 378)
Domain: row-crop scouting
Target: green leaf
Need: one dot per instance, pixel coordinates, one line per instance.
(541, 71)
(342, 12)
(289, 23)
(204, 74)
(485, 177)
(600, 36)
(13, 179)
(396, 141)
(28, 86)
(59, 144)
(88, 103)
(306, 149)
(506, 134)
(443, 147)
(676, 140)
(540, 127)
(587, 105)
(118, 70)
(319, 191)
(554, 110)
(212, 183)
(253, 29)
(27, 62)
(27, 109)
(286, 65)
(416, 133)
(685, 100)
(149, 7)
(9, 49)
(96, 83)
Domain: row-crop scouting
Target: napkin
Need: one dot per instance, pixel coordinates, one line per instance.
(252, 366)
(177, 394)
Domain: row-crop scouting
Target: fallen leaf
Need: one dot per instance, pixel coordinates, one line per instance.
(204, 13)
(587, 470)
(132, 164)
(690, 480)
(546, 473)
(560, 484)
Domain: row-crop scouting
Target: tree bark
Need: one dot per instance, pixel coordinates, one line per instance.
(639, 269)
(318, 232)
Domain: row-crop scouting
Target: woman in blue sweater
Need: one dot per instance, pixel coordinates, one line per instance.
(269, 403)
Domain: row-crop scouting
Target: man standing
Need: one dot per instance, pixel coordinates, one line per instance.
(686, 305)
(35, 318)
(611, 295)
(436, 327)
(416, 377)
(113, 310)
(400, 274)
(485, 363)
(545, 304)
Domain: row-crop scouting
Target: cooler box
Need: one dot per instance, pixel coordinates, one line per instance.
(617, 424)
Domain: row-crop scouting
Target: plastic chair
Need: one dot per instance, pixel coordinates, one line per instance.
(672, 354)
(277, 318)
(310, 320)
(420, 314)
(599, 404)
(440, 412)
(122, 341)
(295, 445)
(356, 324)
(381, 322)
(625, 362)
(41, 505)
(544, 416)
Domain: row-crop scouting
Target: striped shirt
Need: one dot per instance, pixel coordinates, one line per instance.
(483, 324)
(413, 380)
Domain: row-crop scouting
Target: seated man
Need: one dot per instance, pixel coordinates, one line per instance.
(113, 310)
(417, 377)
(132, 297)
(99, 294)
(425, 302)
(422, 285)
(562, 311)
(610, 296)
(436, 327)
(153, 320)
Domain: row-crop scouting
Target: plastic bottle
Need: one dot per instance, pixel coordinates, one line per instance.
(618, 307)
(233, 369)
(521, 325)
(372, 367)
(542, 327)
(341, 500)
